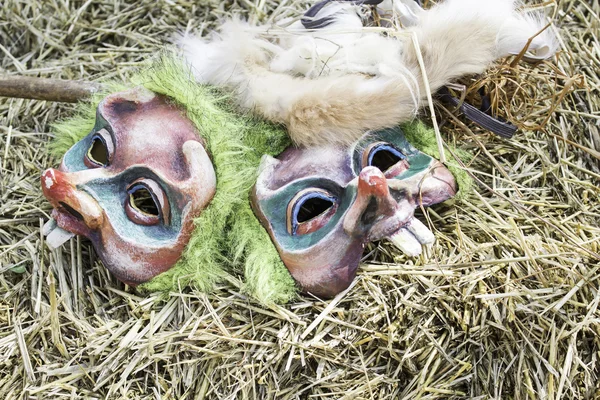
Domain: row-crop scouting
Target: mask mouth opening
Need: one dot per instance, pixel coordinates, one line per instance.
(71, 210)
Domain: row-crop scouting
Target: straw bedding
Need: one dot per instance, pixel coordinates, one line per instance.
(505, 305)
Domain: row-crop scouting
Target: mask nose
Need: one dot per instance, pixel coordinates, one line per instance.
(61, 191)
(373, 202)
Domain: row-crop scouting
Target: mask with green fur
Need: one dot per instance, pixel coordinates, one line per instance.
(227, 236)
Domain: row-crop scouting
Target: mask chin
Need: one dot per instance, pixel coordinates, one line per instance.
(132, 262)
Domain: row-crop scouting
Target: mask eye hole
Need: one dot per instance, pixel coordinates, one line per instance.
(98, 153)
(146, 203)
(313, 207)
(310, 210)
(382, 156)
(141, 199)
(100, 150)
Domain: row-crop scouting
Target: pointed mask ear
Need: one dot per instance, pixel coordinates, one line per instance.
(202, 180)
(266, 170)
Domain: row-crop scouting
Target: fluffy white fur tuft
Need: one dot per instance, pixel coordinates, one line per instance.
(330, 85)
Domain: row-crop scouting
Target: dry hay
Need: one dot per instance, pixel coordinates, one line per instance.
(504, 306)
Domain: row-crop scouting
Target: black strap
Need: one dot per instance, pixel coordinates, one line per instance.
(482, 117)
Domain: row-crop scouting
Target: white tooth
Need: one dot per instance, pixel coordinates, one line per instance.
(57, 237)
(406, 242)
(48, 227)
(421, 231)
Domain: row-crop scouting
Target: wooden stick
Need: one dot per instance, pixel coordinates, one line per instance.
(46, 89)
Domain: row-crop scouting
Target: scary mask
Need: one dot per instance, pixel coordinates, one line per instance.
(322, 205)
(132, 186)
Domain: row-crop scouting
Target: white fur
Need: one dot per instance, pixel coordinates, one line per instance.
(407, 12)
(544, 44)
(332, 84)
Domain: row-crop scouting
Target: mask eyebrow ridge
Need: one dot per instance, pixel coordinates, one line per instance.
(106, 125)
(312, 183)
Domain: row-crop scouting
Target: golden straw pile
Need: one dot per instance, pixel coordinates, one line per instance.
(505, 305)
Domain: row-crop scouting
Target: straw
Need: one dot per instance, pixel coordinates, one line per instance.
(504, 305)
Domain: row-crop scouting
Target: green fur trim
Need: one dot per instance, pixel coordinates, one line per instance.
(266, 277)
(423, 138)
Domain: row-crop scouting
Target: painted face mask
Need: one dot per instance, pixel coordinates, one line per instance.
(322, 205)
(132, 186)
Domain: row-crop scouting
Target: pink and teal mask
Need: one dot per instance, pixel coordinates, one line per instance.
(322, 205)
(133, 185)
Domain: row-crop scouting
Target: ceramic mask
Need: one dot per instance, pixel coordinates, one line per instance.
(322, 205)
(132, 186)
